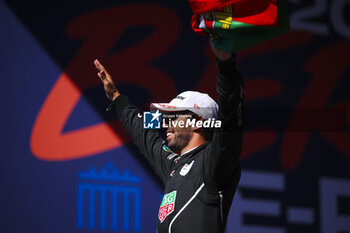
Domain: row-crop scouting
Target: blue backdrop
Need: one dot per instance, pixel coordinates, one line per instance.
(68, 166)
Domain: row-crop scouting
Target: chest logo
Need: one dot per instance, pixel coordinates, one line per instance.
(186, 168)
(167, 206)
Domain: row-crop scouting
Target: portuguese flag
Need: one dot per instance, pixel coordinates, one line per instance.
(238, 24)
(202, 6)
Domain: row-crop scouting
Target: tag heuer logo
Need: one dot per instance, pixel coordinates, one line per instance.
(167, 206)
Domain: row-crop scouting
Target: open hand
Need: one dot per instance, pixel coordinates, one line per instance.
(111, 91)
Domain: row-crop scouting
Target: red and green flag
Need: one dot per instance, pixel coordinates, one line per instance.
(202, 6)
(241, 23)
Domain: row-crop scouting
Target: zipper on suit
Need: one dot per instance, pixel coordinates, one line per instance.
(221, 207)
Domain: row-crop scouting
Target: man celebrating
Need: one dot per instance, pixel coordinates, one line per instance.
(199, 167)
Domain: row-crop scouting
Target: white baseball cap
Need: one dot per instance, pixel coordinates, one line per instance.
(199, 103)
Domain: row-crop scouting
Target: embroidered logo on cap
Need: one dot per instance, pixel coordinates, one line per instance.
(180, 97)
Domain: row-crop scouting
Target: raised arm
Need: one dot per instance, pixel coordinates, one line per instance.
(222, 158)
(111, 91)
(148, 141)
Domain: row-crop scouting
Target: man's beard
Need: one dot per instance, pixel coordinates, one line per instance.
(180, 141)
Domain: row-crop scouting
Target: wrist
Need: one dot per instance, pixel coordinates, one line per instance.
(224, 57)
(227, 62)
(115, 95)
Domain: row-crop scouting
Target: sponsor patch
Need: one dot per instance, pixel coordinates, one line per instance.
(167, 149)
(186, 168)
(180, 97)
(167, 206)
(171, 156)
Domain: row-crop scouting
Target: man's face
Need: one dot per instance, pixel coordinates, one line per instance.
(178, 137)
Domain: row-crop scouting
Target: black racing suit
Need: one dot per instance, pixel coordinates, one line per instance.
(200, 184)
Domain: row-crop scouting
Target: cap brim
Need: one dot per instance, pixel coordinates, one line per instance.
(164, 107)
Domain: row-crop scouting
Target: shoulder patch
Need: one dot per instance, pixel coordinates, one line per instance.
(167, 149)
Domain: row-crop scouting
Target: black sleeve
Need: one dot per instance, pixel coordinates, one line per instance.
(221, 165)
(149, 142)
